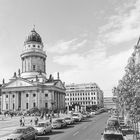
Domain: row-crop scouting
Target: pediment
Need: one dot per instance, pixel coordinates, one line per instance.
(18, 83)
(59, 84)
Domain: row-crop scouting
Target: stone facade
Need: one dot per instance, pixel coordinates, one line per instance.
(30, 87)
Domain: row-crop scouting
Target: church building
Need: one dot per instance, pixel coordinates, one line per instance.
(30, 87)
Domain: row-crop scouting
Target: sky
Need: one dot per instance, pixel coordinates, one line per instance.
(85, 40)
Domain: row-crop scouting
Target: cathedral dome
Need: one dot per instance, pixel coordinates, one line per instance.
(33, 37)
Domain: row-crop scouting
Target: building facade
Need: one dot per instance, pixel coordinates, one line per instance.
(84, 94)
(30, 87)
(109, 103)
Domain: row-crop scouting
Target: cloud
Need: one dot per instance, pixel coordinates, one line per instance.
(94, 65)
(66, 46)
(98, 68)
(124, 26)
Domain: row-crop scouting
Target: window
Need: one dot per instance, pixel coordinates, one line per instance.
(88, 98)
(6, 96)
(26, 105)
(91, 98)
(13, 106)
(38, 46)
(34, 95)
(27, 95)
(46, 105)
(6, 106)
(94, 98)
(33, 67)
(91, 93)
(46, 95)
(13, 96)
(34, 104)
(33, 45)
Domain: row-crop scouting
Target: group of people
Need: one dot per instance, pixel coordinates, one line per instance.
(33, 121)
(22, 121)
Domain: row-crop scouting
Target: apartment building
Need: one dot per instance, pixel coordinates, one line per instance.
(84, 94)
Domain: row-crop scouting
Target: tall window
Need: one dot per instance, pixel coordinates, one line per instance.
(34, 67)
(13, 106)
(27, 95)
(46, 105)
(6, 106)
(6, 96)
(26, 105)
(34, 104)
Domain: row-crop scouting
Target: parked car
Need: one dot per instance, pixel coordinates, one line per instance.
(23, 133)
(127, 130)
(112, 135)
(58, 123)
(62, 121)
(113, 122)
(69, 120)
(43, 128)
(77, 117)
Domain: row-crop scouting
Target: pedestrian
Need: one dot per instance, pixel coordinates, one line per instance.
(20, 121)
(36, 120)
(23, 121)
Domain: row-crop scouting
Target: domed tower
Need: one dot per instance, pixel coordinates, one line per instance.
(33, 57)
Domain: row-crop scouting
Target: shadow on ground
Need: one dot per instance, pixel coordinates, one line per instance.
(86, 120)
(42, 138)
(55, 132)
(68, 126)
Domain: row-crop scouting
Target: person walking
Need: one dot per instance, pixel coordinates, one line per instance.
(36, 120)
(20, 121)
(23, 121)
